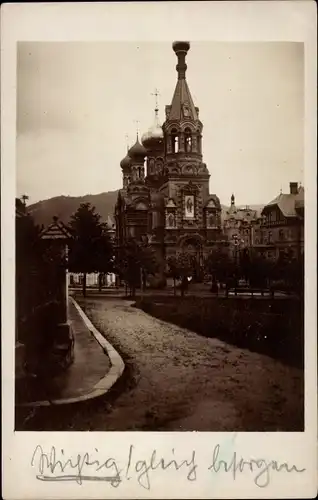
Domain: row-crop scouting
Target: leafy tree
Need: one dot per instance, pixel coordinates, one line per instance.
(220, 266)
(135, 261)
(91, 249)
(290, 271)
(28, 257)
(181, 267)
(261, 270)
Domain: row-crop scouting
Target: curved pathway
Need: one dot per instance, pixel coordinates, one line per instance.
(182, 381)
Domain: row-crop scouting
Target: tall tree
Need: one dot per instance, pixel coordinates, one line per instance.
(135, 261)
(181, 266)
(220, 266)
(91, 248)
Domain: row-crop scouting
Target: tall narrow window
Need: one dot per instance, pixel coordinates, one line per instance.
(188, 140)
(174, 141)
(199, 145)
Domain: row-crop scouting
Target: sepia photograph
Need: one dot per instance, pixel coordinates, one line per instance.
(159, 246)
(160, 236)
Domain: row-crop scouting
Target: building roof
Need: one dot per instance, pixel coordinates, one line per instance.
(288, 203)
(245, 214)
(56, 231)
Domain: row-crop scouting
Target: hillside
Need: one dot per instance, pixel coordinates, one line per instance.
(64, 206)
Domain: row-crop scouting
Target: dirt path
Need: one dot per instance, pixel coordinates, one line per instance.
(181, 381)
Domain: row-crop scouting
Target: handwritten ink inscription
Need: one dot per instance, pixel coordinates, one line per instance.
(58, 466)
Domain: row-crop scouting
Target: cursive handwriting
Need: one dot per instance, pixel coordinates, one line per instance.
(56, 465)
(144, 467)
(260, 465)
(52, 469)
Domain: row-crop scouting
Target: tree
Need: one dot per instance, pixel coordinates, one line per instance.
(181, 267)
(260, 271)
(219, 265)
(135, 261)
(91, 249)
(28, 256)
(173, 271)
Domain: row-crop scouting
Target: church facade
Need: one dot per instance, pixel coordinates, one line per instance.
(165, 195)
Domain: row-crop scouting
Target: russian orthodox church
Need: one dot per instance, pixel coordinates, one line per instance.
(169, 203)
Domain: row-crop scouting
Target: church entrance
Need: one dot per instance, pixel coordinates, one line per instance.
(193, 247)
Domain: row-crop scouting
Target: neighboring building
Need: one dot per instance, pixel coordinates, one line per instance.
(170, 204)
(238, 227)
(282, 225)
(92, 280)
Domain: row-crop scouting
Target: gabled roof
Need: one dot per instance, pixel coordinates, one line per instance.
(285, 203)
(213, 198)
(56, 231)
(242, 214)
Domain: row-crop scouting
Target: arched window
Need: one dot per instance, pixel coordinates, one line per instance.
(188, 140)
(174, 141)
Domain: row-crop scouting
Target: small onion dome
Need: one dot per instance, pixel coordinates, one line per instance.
(152, 137)
(137, 150)
(125, 162)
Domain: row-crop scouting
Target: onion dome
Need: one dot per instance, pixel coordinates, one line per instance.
(137, 150)
(154, 137)
(125, 162)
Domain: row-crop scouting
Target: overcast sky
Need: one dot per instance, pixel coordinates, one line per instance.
(77, 101)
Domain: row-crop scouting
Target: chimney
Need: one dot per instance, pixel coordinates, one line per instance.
(293, 186)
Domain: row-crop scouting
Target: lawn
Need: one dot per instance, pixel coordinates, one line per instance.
(274, 327)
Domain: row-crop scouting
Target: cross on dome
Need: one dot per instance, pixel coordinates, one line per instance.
(137, 127)
(156, 94)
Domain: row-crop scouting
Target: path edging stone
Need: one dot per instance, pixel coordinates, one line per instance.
(105, 384)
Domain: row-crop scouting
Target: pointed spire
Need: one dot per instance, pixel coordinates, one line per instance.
(182, 105)
(232, 199)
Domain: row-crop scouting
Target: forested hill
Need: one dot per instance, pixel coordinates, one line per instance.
(64, 206)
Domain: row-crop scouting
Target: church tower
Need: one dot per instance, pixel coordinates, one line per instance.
(169, 202)
(192, 215)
